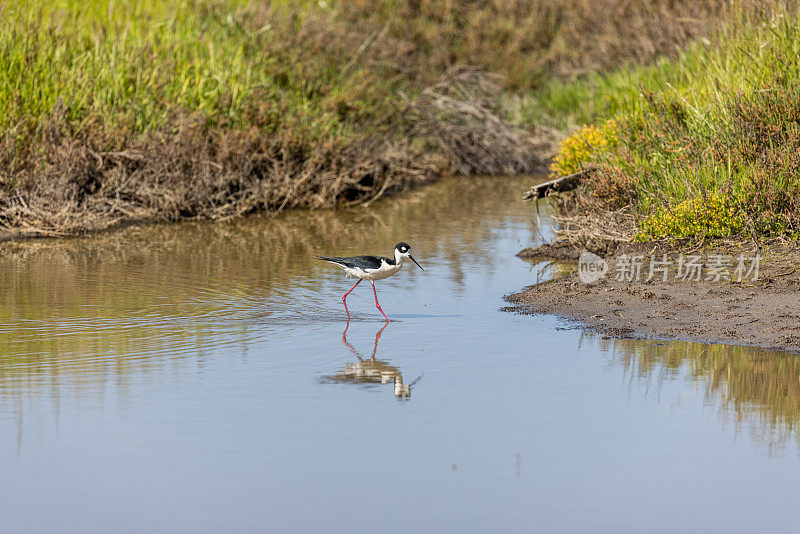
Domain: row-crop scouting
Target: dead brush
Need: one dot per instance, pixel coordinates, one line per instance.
(586, 225)
(459, 114)
(187, 171)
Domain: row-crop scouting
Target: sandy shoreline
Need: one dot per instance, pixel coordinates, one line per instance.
(763, 313)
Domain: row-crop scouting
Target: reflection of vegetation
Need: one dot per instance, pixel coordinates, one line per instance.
(546, 269)
(758, 386)
(127, 300)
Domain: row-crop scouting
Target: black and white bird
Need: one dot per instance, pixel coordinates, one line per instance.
(372, 268)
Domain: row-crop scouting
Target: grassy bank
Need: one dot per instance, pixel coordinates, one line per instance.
(118, 111)
(706, 145)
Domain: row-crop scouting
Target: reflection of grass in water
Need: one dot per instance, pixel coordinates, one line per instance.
(546, 269)
(758, 386)
(94, 306)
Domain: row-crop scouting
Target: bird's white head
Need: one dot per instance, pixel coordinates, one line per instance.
(402, 251)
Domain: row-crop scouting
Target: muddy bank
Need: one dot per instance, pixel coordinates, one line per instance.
(762, 312)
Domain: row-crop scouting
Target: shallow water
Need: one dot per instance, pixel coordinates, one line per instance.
(195, 378)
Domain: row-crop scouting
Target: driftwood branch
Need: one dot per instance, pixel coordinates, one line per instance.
(565, 183)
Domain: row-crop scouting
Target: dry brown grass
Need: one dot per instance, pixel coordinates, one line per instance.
(529, 42)
(190, 172)
(460, 114)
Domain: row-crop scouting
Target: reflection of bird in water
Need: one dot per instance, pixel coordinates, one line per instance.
(371, 371)
(372, 268)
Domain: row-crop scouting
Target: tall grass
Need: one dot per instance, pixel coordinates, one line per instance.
(129, 64)
(708, 142)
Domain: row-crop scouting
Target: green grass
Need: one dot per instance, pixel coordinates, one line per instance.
(326, 68)
(130, 66)
(719, 124)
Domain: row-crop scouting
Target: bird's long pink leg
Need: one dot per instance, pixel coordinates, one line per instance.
(344, 300)
(377, 337)
(376, 302)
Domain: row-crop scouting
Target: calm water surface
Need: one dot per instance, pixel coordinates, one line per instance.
(202, 378)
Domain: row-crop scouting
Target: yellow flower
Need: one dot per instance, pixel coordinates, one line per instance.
(715, 216)
(584, 147)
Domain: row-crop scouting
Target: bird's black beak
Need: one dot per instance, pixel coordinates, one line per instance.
(415, 261)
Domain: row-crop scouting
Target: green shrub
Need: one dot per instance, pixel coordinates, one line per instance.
(705, 145)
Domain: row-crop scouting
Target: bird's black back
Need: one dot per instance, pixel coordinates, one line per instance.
(360, 262)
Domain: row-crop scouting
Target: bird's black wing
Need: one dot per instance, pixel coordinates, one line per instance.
(360, 262)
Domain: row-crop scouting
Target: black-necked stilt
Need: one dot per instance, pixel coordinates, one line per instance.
(372, 268)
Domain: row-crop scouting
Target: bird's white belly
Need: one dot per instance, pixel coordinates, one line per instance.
(384, 271)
